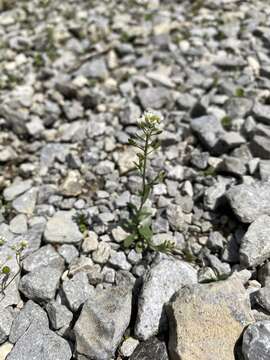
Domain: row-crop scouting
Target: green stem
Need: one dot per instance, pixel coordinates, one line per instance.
(145, 152)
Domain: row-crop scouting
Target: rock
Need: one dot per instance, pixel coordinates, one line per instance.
(260, 147)
(119, 234)
(77, 290)
(261, 297)
(214, 195)
(119, 261)
(62, 229)
(45, 256)
(159, 284)
(255, 247)
(256, 341)
(90, 243)
(30, 314)
(154, 97)
(26, 203)
(6, 320)
(150, 349)
(59, 315)
(232, 165)
(41, 284)
(72, 185)
(128, 346)
(18, 224)
(5, 349)
(68, 252)
(238, 107)
(95, 68)
(231, 140)
(207, 320)
(102, 254)
(209, 130)
(103, 321)
(250, 201)
(39, 342)
(261, 112)
(16, 189)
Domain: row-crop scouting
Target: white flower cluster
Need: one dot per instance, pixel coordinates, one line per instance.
(151, 117)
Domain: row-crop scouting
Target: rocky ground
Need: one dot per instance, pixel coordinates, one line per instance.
(74, 77)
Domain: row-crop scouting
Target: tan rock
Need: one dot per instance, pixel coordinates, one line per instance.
(5, 349)
(207, 320)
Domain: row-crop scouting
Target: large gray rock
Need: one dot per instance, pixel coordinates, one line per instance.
(45, 256)
(159, 284)
(59, 315)
(26, 202)
(250, 201)
(207, 320)
(62, 229)
(41, 284)
(255, 245)
(39, 342)
(103, 321)
(256, 341)
(261, 112)
(30, 314)
(15, 189)
(209, 130)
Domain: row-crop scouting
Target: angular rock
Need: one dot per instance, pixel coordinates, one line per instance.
(77, 290)
(95, 68)
(207, 320)
(238, 107)
(45, 256)
(250, 201)
(39, 342)
(159, 285)
(26, 203)
(256, 341)
(255, 245)
(62, 229)
(16, 189)
(261, 112)
(150, 349)
(6, 320)
(154, 97)
(30, 314)
(260, 147)
(41, 284)
(103, 321)
(59, 315)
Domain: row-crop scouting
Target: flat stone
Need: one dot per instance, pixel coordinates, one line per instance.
(45, 256)
(256, 341)
(261, 112)
(260, 147)
(118, 260)
(238, 107)
(16, 189)
(62, 229)
(150, 349)
(26, 203)
(207, 320)
(68, 252)
(6, 320)
(30, 314)
(250, 201)
(39, 342)
(59, 315)
(90, 243)
(102, 254)
(103, 321)
(95, 68)
(154, 97)
(255, 246)
(18, 224)
(41, 284)
(159, 284)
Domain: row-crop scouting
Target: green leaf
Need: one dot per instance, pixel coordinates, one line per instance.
(144, 214)
(129, 240)
(145, 232)
(139, 247)
(6, 270)
(146, 192)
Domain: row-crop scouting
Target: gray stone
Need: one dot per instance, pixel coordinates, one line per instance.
(256, 341)
(216, 241)
(30, 314)
(128, 346)
(59, 315)
(206, 320)
(6, 320)
(41, 284)
(231, 140)
(238, 107)
(213, 196)
(119, 261)
(39, 342)
(250, 201)
(102, 254)
(209, 130)
(90, 243)
(95, 68)
(261, 297)
(160, 283)
(264, 169)
(103, 321)
(45, 256)
(261, 112)
(232, 165)
(62, 229)
(68, 252)
(18, 224)
(255, 246)
(154, 97)
(260, 147)
(26, 203)
(151, 349)
(16, 189)
(77, 290)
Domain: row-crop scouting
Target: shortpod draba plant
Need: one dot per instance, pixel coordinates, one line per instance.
(139, 225)
(5, 272)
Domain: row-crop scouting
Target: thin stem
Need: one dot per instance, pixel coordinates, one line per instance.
(148, 135)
